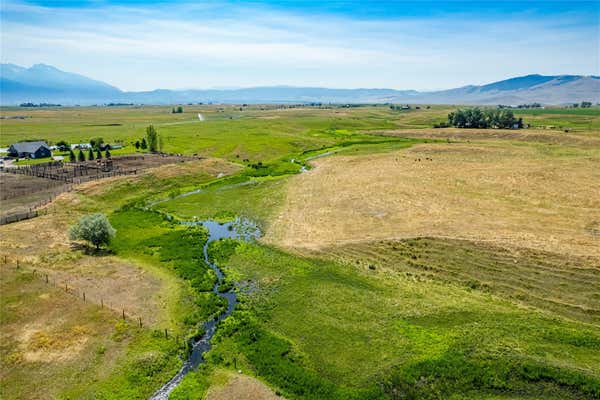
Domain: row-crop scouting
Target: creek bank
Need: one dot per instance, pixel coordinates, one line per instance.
(242, 229)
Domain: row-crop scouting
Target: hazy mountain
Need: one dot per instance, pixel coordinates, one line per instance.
(525, 89)
(44, 83)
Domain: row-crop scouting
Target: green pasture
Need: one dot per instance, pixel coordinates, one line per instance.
(255, 133)
(346, 323)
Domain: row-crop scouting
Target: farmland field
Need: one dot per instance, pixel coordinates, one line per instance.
(396, 261)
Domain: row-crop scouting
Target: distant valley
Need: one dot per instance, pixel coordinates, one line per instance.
(46, 84)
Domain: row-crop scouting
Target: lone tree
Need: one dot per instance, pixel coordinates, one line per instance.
(72, 157)
(93, 228)
(80, 156)
(137, 144)
(107, 153)
(90, 154)
(152, 138)
(144, 145)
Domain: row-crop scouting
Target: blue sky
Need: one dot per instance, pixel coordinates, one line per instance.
(423, 45)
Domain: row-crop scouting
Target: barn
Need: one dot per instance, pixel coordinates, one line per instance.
(30, 150)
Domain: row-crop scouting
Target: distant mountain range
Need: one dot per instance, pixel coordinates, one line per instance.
(46, 84)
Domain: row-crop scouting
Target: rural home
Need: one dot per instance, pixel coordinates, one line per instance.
(30, 150)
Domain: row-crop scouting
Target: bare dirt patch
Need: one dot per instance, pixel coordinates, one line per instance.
(146, 161)
(242, 387)
(19, 193)
(520, 195)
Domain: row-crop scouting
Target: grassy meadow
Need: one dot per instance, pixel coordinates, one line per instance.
(405, 263)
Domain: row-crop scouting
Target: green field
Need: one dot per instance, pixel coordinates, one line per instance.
(260, 135)
(394, 318)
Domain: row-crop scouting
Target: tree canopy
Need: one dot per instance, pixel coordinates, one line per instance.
(151, 138)
(93, 228)
(488, 118)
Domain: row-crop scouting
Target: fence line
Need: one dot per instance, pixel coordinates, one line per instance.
(69, 173)
(57, 188)
(78, 294)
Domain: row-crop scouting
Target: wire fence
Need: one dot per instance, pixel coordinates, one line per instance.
(7, 192)
(68, 172)
(78, 294)
(32, 210)
(65, 174)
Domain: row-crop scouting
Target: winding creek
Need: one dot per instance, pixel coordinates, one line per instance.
(238, 229)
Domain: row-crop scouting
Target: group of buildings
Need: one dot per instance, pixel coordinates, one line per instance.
(40, 149)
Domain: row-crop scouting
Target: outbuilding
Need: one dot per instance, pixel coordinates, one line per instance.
(30, 150)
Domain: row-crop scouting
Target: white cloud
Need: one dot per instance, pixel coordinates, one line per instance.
(196, 46)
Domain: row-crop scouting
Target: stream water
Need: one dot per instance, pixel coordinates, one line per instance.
(238, 229)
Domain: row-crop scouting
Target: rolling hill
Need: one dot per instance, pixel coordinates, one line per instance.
(44, 83)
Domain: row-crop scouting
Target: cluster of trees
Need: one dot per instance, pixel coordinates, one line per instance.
(397, 107)
(584, 104)
(488, 118)
(39, 105)
(93, 152)
(90, 155)
(152, 141)
(178, 110)
(531, 105)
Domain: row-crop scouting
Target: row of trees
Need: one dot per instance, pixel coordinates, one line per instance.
(81, 155)
(531, 105)
(97, 144)
(488, 118)
(152, 142)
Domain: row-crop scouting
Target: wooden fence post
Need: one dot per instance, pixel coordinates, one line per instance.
(123, 314)
(166, 334)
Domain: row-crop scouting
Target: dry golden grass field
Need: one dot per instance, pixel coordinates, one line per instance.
(588, 138)
(241, 387)
(536, 196)
(54, 341)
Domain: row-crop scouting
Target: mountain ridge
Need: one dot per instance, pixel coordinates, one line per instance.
(43, 83)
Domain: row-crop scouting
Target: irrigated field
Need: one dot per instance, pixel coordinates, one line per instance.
(407, 263)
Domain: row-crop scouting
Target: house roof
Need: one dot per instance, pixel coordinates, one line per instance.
(29, 147)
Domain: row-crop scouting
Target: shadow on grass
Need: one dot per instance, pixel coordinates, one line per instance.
(91, 250)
